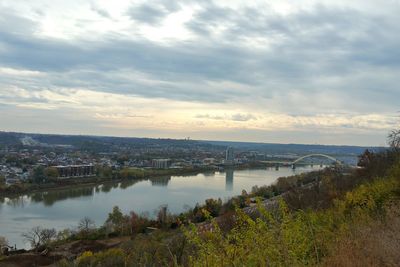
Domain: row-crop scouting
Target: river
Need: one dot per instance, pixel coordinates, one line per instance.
(62, 209)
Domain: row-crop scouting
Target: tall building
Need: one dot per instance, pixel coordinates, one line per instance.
(229, 157)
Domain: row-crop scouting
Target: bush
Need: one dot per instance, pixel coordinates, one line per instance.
(110, 258)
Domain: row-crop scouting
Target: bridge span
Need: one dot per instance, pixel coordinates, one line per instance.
(293, 163)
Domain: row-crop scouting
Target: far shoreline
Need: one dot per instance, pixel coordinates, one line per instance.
(29, 188)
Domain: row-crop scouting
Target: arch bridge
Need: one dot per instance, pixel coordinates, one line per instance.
(314, 155)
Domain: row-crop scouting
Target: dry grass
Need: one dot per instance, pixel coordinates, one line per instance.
(377, 243)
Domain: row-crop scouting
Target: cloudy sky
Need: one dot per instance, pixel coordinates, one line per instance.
(307, 71)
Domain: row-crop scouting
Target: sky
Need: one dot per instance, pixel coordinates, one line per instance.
(277, 71)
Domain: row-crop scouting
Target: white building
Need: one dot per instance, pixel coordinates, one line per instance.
(161, 163)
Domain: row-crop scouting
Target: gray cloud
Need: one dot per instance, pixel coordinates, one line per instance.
(208, 116)
(320, 60)
(243, 117)
(310, 51)
(152, 13)
(234, 117)
(100, 11)
(147, 14)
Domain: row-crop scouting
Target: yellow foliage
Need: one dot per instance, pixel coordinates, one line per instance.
(85, 259)
(109, 258)
(284, 238)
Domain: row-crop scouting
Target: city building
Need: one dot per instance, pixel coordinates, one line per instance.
(208, 161)
(75, 171)
(229, 156)
(161, 163)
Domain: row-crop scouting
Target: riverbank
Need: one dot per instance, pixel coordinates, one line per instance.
(132, 174)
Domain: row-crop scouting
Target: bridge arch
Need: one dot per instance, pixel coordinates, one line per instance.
(316, 155)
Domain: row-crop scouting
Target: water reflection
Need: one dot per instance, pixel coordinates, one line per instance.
(160, 181)
(229, 180)
(127, 183)
(51, 197)
(209, 174)
(17, 202)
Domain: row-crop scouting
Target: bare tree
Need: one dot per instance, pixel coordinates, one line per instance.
(86, 225)
(33, 236)
(3, 246)
(38, 236)
(3, 241)
(394, 139)
(48, 235)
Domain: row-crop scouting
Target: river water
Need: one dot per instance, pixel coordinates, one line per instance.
(62, 209)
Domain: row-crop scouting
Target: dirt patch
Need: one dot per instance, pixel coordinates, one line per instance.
(29, 260)
(86, 245)
(66, 251)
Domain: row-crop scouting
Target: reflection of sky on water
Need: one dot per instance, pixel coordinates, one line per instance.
(64, 208)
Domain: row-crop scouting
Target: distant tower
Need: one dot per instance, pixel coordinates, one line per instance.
(229, 157)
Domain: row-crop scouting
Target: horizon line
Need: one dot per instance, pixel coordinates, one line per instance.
(188, 139)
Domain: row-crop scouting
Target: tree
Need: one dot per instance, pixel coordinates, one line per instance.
(86, 225)
(39, 236)
(64, 235)
(104, 172)
(365, 158)
(394, 139)
(3, 246)
(116, 216)
(33, 237)
(3, 241)
(117, 221)
(137, 222)
(48, 235)
(39, 175)
(51, 173)
(214, 206)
